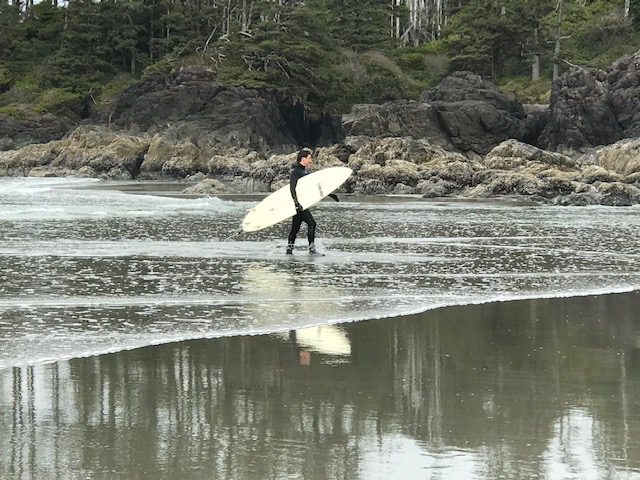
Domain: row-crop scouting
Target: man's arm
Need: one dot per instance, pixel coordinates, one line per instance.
(293, 183)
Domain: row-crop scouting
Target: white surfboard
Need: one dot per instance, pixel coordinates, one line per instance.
(310, 190)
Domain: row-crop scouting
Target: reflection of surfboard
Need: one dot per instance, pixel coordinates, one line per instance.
(279, 205)
(325, 339)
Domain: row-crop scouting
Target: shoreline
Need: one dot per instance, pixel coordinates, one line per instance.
(631, 294)
(447, 391)
(169, 188)
(174, 189)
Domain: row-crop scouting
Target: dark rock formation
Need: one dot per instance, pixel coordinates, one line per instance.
(463, 113)
(30, 128)
(624, 94)
(474, 113)
(581, 116)
(535, 121)
(189, 105)
(402, 118)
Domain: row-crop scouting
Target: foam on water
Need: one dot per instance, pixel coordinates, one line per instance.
(88, 271)
(27, 199)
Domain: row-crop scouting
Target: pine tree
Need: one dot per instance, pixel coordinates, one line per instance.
(634, 11)
(361, 25)
(78, 65)
(486, 36)
(11, 39)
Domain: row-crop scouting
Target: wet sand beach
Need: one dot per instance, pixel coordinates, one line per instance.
(546, 388)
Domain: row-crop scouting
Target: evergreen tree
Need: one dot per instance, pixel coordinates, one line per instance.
(11, 39)
(43, 29)
(79, 64)
(491, 37)
(361, 24)
(287, 50)
(634, 11)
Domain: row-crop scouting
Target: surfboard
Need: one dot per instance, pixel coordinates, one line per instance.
(279, 205)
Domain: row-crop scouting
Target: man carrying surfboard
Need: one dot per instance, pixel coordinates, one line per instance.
(299, 170)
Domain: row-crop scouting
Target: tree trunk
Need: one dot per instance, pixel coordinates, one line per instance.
(626, 8)
(227, 20)
(245, 16)
(535, 67)
(556, 50)
(151, 34)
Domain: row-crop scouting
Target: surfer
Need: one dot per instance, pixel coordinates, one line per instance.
(299, 170)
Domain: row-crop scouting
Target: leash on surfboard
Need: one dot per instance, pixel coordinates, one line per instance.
(233, 235)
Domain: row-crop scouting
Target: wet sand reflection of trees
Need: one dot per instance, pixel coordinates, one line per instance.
(520, 387)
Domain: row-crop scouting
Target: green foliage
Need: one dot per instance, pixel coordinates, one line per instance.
(78, 66)
(495, 38)
(6, 79)
(160, 67)
(594, 34)
(288, 55)
(370, 77)
(361, 25)
(13, 111)
(426, 63)
(328, 53)
(60, 102)
(111, 90)
(11, 33)
(528, 91)
(599, 36)
(43, 30)
(634, 11)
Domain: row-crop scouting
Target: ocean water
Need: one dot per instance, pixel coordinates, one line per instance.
(87, 271)
(144, 337)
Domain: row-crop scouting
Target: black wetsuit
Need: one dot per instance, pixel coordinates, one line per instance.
(297, 172)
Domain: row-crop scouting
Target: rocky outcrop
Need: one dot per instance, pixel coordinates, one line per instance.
(550, 177)
(591, 108)
(463, 113)
(474, 113)
(89, 151)
(624, 94)
(581, 115)
(29, 128)
(537, 117)
(190, 106)
(622, 157)
(464, 138)
(208, 186)
(403, 118)
(410, 166)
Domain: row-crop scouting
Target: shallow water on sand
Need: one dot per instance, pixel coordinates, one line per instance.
(87, 271)
(546, 388)
(543, 388)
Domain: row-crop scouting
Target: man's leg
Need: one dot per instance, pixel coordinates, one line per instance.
(293, 233)
(311, 230)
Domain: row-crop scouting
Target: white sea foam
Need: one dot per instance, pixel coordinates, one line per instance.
(35, 199)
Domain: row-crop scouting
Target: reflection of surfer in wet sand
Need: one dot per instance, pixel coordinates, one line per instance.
(299, 170)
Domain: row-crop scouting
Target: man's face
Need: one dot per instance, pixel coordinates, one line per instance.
(306, 161)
